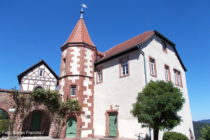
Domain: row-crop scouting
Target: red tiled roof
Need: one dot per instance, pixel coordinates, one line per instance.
(80, 34)
(100, 53)
(127, 44)
(132, 43)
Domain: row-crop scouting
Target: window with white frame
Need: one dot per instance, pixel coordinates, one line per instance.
(73, 90)
(178, 79)
(152, 67)
(167, 73)
(41, 72)
(99, 75)
(124, 70)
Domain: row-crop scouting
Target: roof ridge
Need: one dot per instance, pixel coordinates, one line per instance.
(128, 40)
(130, 44)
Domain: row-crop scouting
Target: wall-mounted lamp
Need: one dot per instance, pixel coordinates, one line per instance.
(117, 107)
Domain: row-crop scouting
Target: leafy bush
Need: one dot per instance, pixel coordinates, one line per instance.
(4, 125)
(69, 106)
(50, 98)
(174, 136)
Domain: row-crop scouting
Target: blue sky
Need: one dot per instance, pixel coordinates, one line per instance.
(31, 30)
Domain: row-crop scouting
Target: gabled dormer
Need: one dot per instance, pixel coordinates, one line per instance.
(39, 75)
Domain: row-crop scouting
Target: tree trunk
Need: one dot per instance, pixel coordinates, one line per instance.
(156, 132)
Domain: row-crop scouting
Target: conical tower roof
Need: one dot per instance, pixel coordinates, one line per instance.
(80, 34)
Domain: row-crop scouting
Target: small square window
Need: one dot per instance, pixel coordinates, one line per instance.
(152, 65)
(99, 75)
(124, 68)
(73, 90)
(41, 72)
(64, 61)
(164, 46)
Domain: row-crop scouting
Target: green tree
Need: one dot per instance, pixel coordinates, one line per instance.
(205, 133)
(157, 106)
(197, 127)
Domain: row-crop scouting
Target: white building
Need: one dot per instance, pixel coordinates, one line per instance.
(107, 84)
(125, 70)
(39, 75)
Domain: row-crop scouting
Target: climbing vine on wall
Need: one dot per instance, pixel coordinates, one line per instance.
(49, 99)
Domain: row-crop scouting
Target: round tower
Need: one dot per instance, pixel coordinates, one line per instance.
(77, 81)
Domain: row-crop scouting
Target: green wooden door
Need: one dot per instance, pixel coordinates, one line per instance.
(36, 121)
(3, 115)
(71, 127)
(113, 124)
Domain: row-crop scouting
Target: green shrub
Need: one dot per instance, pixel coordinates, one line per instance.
(174, 136)
(50, 98)
(4, 125)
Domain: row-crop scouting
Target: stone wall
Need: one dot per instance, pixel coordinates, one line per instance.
(21, 118)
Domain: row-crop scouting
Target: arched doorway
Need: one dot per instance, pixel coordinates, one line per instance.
(37, 123)
(38, 87)
(71, 127)
(3, 115)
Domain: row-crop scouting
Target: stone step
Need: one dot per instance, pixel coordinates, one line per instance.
(108, 138)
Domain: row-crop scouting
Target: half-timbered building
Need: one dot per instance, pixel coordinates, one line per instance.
(39, 75)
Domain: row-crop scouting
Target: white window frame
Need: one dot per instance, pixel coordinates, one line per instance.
(124, 67)
(73, 90)
(99, 75)
(152, 67)
(178, 78)
(41, 72)
(167, 73)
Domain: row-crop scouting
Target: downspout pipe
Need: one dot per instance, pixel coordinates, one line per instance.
(139, 46)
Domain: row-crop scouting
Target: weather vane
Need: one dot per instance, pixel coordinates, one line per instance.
(82, 11)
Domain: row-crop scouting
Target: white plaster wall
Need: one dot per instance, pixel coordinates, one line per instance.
(89, 63)
(123, 91)
(62, 84)
(119, 91)
(85, 133)
(63, 72)
(154, 49)
(74, 65)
